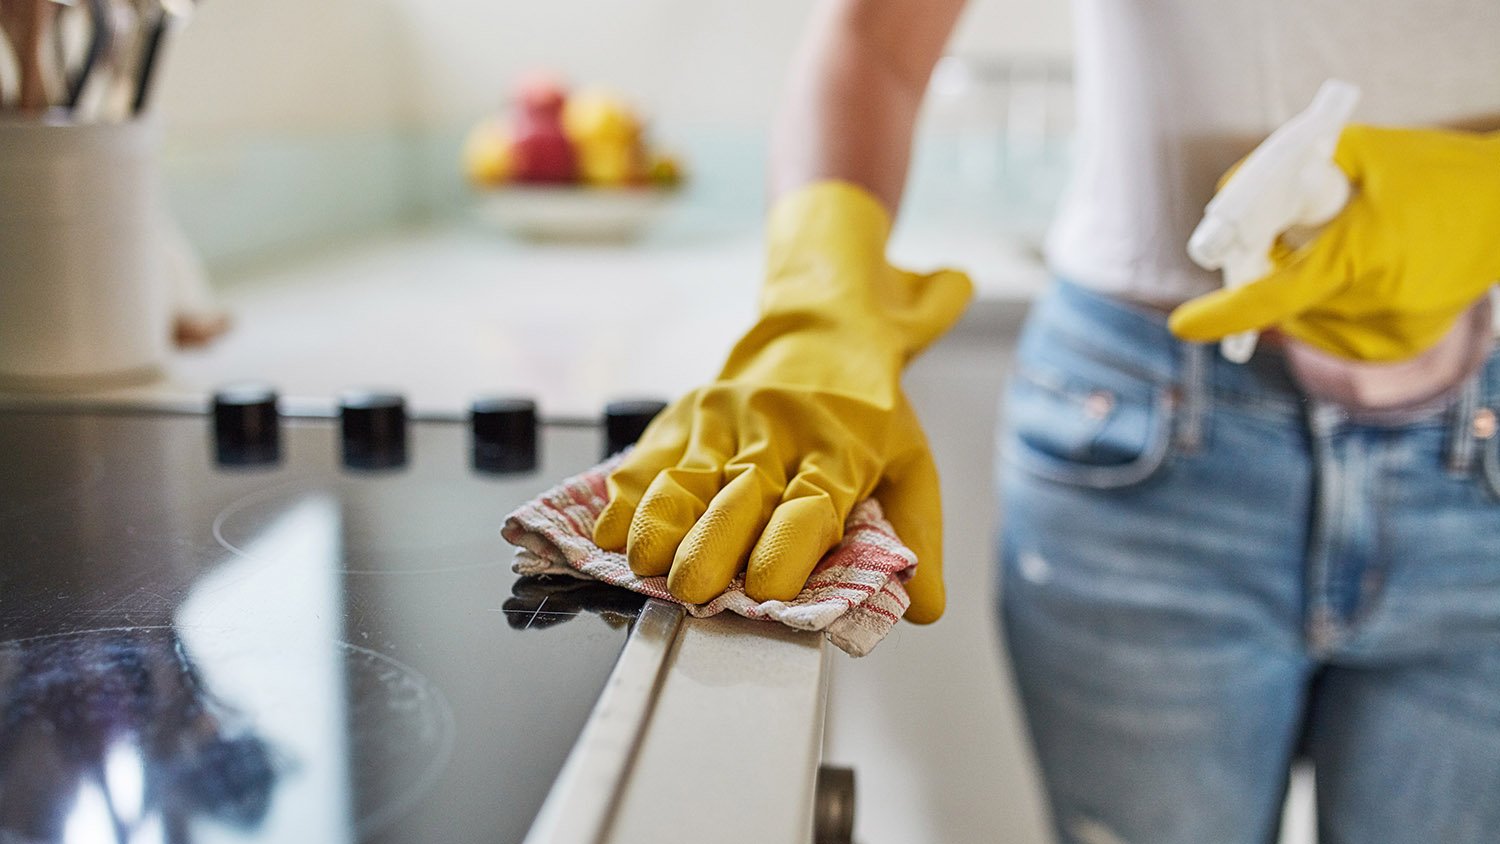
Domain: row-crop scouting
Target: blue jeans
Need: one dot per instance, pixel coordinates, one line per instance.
(1207, 575)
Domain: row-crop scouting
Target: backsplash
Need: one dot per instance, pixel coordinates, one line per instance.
(261, 198)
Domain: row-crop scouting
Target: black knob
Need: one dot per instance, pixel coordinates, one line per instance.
(374, 429)
(625, 421)
(247, 427)
(833, 806)
(504, 434)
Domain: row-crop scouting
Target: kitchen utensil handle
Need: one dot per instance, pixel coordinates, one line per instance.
(99, 44)
(149, 59)
(28, 49)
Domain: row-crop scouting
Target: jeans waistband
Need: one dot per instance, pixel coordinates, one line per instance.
(1136, 338)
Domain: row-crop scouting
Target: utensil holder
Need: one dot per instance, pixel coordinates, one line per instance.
(83, 299)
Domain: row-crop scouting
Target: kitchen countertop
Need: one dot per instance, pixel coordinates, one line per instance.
(444, 314)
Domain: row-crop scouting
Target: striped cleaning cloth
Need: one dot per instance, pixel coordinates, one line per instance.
(855, 595)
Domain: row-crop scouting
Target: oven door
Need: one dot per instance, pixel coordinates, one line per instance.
(707, 727)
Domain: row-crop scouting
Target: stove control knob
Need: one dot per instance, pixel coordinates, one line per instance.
(504, 434)
(247, 427)
(833, 805)
(625, 421)
(374, 429)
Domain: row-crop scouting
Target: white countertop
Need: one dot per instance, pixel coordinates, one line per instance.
(445, 314)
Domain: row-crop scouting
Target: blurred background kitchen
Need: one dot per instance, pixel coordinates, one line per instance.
(311, 154)
(288, 127)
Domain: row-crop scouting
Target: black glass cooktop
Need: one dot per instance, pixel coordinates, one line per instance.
(297, 651)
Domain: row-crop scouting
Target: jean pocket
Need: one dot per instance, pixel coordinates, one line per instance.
(1096, 432)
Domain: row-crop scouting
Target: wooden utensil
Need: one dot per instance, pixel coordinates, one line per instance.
(27, 24)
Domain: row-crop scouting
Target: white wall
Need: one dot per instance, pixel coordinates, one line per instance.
(1016, 28)
(284, 66)
(279, 118)
(292, 65)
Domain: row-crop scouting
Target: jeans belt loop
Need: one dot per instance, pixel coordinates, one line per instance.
(1484, 427)
(1193, 395)
(1462, 440)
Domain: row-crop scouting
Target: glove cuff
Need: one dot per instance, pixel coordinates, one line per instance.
(826, 219)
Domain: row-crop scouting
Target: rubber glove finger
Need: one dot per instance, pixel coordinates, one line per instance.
(912, 500)
(629, 482)
(933, 303)
(810, 518)
(716, 547)
(808, 521)
(680, 495)
(800, 532)
(668, 510)
(1307, 277)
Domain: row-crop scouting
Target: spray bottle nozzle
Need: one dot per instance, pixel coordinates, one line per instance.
(1290, 180)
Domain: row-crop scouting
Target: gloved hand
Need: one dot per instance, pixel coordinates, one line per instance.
(759, 469)
(1417, 245)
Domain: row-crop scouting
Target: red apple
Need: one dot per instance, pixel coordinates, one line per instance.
(542, 152)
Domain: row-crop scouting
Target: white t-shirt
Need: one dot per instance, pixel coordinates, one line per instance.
(1172, 92)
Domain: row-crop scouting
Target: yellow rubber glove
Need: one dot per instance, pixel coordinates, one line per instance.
(759, 469)
(1416, 246)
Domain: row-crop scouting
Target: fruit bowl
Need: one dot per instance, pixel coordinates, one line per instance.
(569, 166)
(565, 213)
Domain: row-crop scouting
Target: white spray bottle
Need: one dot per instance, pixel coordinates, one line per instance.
(1289, 181)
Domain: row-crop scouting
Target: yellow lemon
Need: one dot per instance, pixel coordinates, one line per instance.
(487, 158)
(594, 115)
(609, 163)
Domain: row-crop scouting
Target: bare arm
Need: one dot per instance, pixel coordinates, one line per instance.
(856, 87)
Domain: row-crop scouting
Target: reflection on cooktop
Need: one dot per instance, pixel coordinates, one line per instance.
(193, 652)
(121, 735)
(113, 735)
(435, 532)
(541, 602)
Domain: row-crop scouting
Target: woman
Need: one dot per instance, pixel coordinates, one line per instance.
(1209, 566)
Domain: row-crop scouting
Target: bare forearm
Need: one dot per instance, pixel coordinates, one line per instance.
(855, 91)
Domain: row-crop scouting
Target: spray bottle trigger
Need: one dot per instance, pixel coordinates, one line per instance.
(1326, 192)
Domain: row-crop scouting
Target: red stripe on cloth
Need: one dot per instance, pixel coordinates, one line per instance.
(566, 514)
(883, 562)
(583, 496)
(842, 584)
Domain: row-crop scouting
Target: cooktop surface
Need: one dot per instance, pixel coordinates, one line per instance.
(305, 643)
